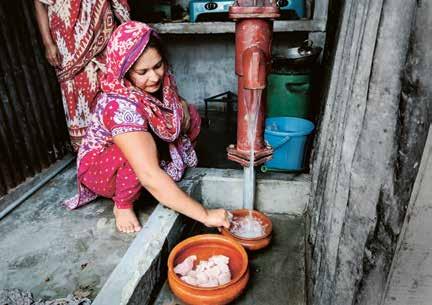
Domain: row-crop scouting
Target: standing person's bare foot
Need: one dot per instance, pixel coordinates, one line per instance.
(126, 220)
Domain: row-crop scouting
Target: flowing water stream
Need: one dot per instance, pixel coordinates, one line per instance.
(249, 171)
(250, 227)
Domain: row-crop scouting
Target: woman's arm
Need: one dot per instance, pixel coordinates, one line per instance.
(140, 150)
(51, 52)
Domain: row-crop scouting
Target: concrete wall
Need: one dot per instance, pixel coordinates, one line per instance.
(202, 70)
(204, 64)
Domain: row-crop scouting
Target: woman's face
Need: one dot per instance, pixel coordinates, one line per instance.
(148, 71)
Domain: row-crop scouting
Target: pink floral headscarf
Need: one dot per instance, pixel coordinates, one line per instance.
(124, 48)
(164, 116)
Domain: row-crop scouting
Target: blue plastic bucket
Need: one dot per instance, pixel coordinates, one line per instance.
(287, 136)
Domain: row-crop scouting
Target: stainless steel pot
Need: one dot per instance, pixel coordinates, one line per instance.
(304, 55)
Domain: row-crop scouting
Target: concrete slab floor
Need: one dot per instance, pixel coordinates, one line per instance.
(53, 252)
(277, 272)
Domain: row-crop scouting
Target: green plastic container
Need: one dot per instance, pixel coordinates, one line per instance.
(288, 95)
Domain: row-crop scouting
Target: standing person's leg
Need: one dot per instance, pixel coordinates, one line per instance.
(108, 174)
(78, 95)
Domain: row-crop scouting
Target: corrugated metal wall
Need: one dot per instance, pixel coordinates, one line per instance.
(33, 132)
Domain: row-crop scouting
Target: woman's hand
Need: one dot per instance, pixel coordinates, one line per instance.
(217, 218)
(186, 117)
(52, 54)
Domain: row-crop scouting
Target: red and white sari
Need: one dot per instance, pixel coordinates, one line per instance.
(81, 30)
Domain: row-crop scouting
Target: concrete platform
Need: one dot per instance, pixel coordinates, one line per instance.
(53, 252)
(136, 278)
(276, 193)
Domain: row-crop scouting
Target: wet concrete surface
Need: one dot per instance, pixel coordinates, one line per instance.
(52, 252)
(277, 273)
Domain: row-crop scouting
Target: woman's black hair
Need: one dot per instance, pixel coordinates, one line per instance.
(155, 42)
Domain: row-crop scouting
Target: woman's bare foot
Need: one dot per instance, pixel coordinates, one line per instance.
(126, 220)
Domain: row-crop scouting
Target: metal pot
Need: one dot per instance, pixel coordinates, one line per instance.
(304, 55)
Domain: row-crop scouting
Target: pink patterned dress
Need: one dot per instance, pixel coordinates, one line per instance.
(81, 29)
(122, 108)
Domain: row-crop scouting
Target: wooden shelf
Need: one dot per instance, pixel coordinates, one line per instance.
(228, 27)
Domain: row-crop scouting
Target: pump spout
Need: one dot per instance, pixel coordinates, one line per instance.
(254, 69)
